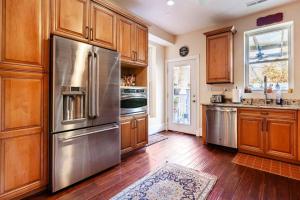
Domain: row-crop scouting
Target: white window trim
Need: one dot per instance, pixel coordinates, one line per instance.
(290, 26)
(152, 109)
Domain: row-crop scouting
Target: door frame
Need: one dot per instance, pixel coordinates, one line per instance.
(196, 59)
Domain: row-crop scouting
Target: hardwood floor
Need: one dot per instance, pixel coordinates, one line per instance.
(234, 182)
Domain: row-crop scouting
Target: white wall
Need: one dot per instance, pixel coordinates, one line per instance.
(157, 123)
(196, 41)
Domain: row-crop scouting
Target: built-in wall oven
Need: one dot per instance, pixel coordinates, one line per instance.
(133, 100)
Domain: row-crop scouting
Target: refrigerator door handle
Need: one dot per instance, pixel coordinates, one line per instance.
(91, 86)
(97, 80)
(66, 139)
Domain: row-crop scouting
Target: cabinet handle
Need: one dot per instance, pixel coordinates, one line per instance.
(91, 36)
(87, 32)
(264, 113)
(133, 55)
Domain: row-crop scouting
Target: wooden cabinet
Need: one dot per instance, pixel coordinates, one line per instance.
(103, 27)
(219, 56)
(98, 22)
(23, 136)
(71, 18)
(126, 136)
(134, 132)
(251, 133)
(24, 58)
(281, 138)
(132, 42)
(126, 39)
(23, 34)
(141, 45)
(270, 133)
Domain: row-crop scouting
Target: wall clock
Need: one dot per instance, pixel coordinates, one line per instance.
(184, 51)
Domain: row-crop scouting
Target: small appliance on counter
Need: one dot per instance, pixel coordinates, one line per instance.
(133, 100)
(236, 95)
(217, 98)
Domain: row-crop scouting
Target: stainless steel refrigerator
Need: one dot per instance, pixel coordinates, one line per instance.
(85, 104)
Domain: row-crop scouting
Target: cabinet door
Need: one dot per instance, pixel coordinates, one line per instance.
(126, 39)
(103, 27)
(23, 149)
(126, 136)
(250, 131)
(22, 34)
(141, 56)
(71, 18)
(220, 58)
(281, 138)
(141, 131)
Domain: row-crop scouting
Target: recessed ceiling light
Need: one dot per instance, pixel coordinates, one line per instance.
(170, 2)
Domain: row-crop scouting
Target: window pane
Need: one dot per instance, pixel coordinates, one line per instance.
(181, 95)
(272, 45)
(276, 72)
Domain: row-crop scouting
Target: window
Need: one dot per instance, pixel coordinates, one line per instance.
(268, 53)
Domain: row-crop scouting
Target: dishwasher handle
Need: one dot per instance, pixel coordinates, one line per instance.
(222, 109)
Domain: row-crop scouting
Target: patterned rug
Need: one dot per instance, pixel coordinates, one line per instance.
(267, 165)
(171, 182)
(155, 138)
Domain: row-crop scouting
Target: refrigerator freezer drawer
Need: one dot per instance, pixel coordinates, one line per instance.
(79, 154)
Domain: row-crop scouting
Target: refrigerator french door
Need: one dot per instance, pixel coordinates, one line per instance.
(85, 102)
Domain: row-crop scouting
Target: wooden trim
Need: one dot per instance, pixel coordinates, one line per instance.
(124, 12)
(222, 30)
(298, 135)
(204, 124)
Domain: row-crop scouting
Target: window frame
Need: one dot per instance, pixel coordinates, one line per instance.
(267, 29)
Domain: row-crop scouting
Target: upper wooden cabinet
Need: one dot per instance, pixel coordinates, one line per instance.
(23, 34)
(126, 39)
(99, 24)
(268, 133)
(71, 18)
(103, 27)
(141, 45)
(132, 42)
(219, 56)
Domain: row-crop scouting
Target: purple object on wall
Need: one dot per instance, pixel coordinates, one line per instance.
(270, 19)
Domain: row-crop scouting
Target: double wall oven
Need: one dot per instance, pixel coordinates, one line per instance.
(133, 100)
(85, 111)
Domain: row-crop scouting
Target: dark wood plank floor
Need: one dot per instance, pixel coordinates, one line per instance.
(235, 182)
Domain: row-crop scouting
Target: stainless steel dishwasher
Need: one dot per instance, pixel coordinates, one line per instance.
(221, 126)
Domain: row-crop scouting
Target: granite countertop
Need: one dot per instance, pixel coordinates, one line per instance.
(271, 106)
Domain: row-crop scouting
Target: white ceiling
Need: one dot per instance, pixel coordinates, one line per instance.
(189, 15)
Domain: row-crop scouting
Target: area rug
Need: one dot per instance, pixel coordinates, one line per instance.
(267, 165)
(155, 138)
(170, 182)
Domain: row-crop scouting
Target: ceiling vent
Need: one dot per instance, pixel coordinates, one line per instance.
(256, 2)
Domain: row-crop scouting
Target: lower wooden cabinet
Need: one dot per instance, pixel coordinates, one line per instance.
(250, 134)
(134, 132)
(268, 133)
(281, 138)
(23, 134)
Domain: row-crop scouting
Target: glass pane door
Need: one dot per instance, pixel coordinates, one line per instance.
(182, 95)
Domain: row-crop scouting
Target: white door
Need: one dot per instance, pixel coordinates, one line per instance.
(182, 96)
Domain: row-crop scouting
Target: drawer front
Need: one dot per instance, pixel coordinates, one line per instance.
(281, 114)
